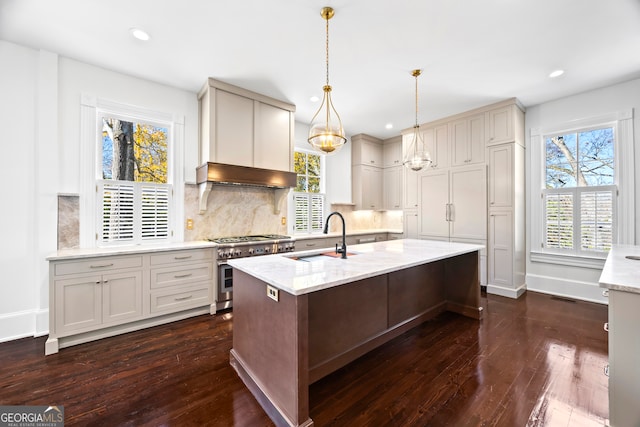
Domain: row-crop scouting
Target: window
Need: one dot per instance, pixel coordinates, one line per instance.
(133, 188)
(308, 199)
(580, 191)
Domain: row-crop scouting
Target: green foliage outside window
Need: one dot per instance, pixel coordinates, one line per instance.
(307, 167)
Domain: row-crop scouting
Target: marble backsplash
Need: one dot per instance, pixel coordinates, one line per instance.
(231, 211)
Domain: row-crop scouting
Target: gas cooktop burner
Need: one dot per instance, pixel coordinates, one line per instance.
(254, 238)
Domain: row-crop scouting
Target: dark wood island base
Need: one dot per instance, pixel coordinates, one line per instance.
(281, 347)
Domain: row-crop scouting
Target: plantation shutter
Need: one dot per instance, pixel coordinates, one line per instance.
(316, 212)
(133, 211)
(301, 206)
(155, 211)
(309, 211)
(559, 220)
(117, 213)
(596, 220)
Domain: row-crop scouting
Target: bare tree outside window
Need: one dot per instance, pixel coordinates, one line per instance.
(580, 190)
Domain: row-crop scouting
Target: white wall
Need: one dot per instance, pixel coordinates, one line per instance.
(577, 282)
(40, 118)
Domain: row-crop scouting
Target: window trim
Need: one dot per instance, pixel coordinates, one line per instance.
(91, 110)
(292, 210)
(622, 123)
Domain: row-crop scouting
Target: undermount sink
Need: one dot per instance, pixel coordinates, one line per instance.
(320, 256)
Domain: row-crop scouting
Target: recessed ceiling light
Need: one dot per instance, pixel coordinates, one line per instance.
(556, 73)
(389, 126)
(140, 34)
(314, 99)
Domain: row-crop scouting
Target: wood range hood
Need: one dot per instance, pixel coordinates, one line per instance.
(211, 173)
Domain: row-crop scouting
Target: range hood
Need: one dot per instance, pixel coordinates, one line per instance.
(220, 173)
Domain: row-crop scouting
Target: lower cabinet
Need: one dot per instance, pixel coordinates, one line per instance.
(101, 296)
(624, 353)
(85, 303)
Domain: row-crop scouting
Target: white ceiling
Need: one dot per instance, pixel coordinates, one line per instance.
(473, 52)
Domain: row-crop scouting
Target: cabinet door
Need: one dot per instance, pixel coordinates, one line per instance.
(477, 139)
(410, 189)
(459, 145)
(371, 154)
(78, 304)
(371, 188)
(437, 141)
(501, 176)
(392, 154)
(272, 147)
(500, 125)
(468, 211)
(234, 129)
(434, 198)
(392, 190)
(467, 139)
(410, 225)
(624, 352)
(500, 248)
(121, 297)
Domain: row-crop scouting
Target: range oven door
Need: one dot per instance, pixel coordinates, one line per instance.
(224, 298)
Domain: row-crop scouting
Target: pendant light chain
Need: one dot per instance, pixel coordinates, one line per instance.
(327, 48)
(416, 75)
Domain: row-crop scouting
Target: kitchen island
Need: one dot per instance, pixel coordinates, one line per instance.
(621, 278)
(300, 316)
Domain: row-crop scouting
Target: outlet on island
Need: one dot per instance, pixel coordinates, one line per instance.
(272, 293)
(283, 220)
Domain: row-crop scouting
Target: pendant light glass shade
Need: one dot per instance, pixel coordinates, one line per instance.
(327, 134)
(416, 157)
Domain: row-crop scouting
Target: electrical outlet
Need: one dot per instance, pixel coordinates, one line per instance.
(189, 224)
(272, 293)
(283, 220)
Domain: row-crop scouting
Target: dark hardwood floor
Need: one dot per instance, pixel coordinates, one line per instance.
(536, 361)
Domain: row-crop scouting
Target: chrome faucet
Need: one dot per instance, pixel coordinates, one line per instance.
(343, 249)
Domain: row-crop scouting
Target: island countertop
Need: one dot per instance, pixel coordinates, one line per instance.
(294, 274)
(620, 273)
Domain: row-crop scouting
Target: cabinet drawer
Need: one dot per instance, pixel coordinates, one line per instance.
(180, 299)
(182, 256)
(96, 265)
(172, 276)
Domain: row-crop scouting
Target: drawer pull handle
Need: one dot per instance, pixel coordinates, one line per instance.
(182, 257)
(180, 276)
(101, 265)
(606, 326)
(605, 293)
(606, 370)
(183, 298)
(310, 244)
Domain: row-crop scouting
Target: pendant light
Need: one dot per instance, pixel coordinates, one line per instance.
(326, 134)
(417, 156)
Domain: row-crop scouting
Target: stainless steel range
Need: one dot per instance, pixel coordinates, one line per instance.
(241, 247)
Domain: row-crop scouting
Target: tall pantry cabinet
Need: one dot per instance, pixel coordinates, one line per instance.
(474, 190)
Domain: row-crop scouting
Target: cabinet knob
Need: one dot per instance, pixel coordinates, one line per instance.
(606, 326)
(605, 293)
(606, 370)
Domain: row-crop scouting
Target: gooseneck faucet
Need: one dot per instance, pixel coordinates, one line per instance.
(343, 249)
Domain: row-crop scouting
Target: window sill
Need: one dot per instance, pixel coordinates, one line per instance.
(594, 262)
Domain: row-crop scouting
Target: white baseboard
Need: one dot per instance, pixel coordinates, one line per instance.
(18, 325)
(507, 292)
(575, 289)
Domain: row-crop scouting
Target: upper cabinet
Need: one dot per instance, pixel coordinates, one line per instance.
(366, 150)
(244, 128)
(392, 152)
(436, 139)
(468, 141)
(505, 124)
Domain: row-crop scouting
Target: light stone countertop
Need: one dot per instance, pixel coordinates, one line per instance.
(620, 273)
(299, 277)
(127, 250)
